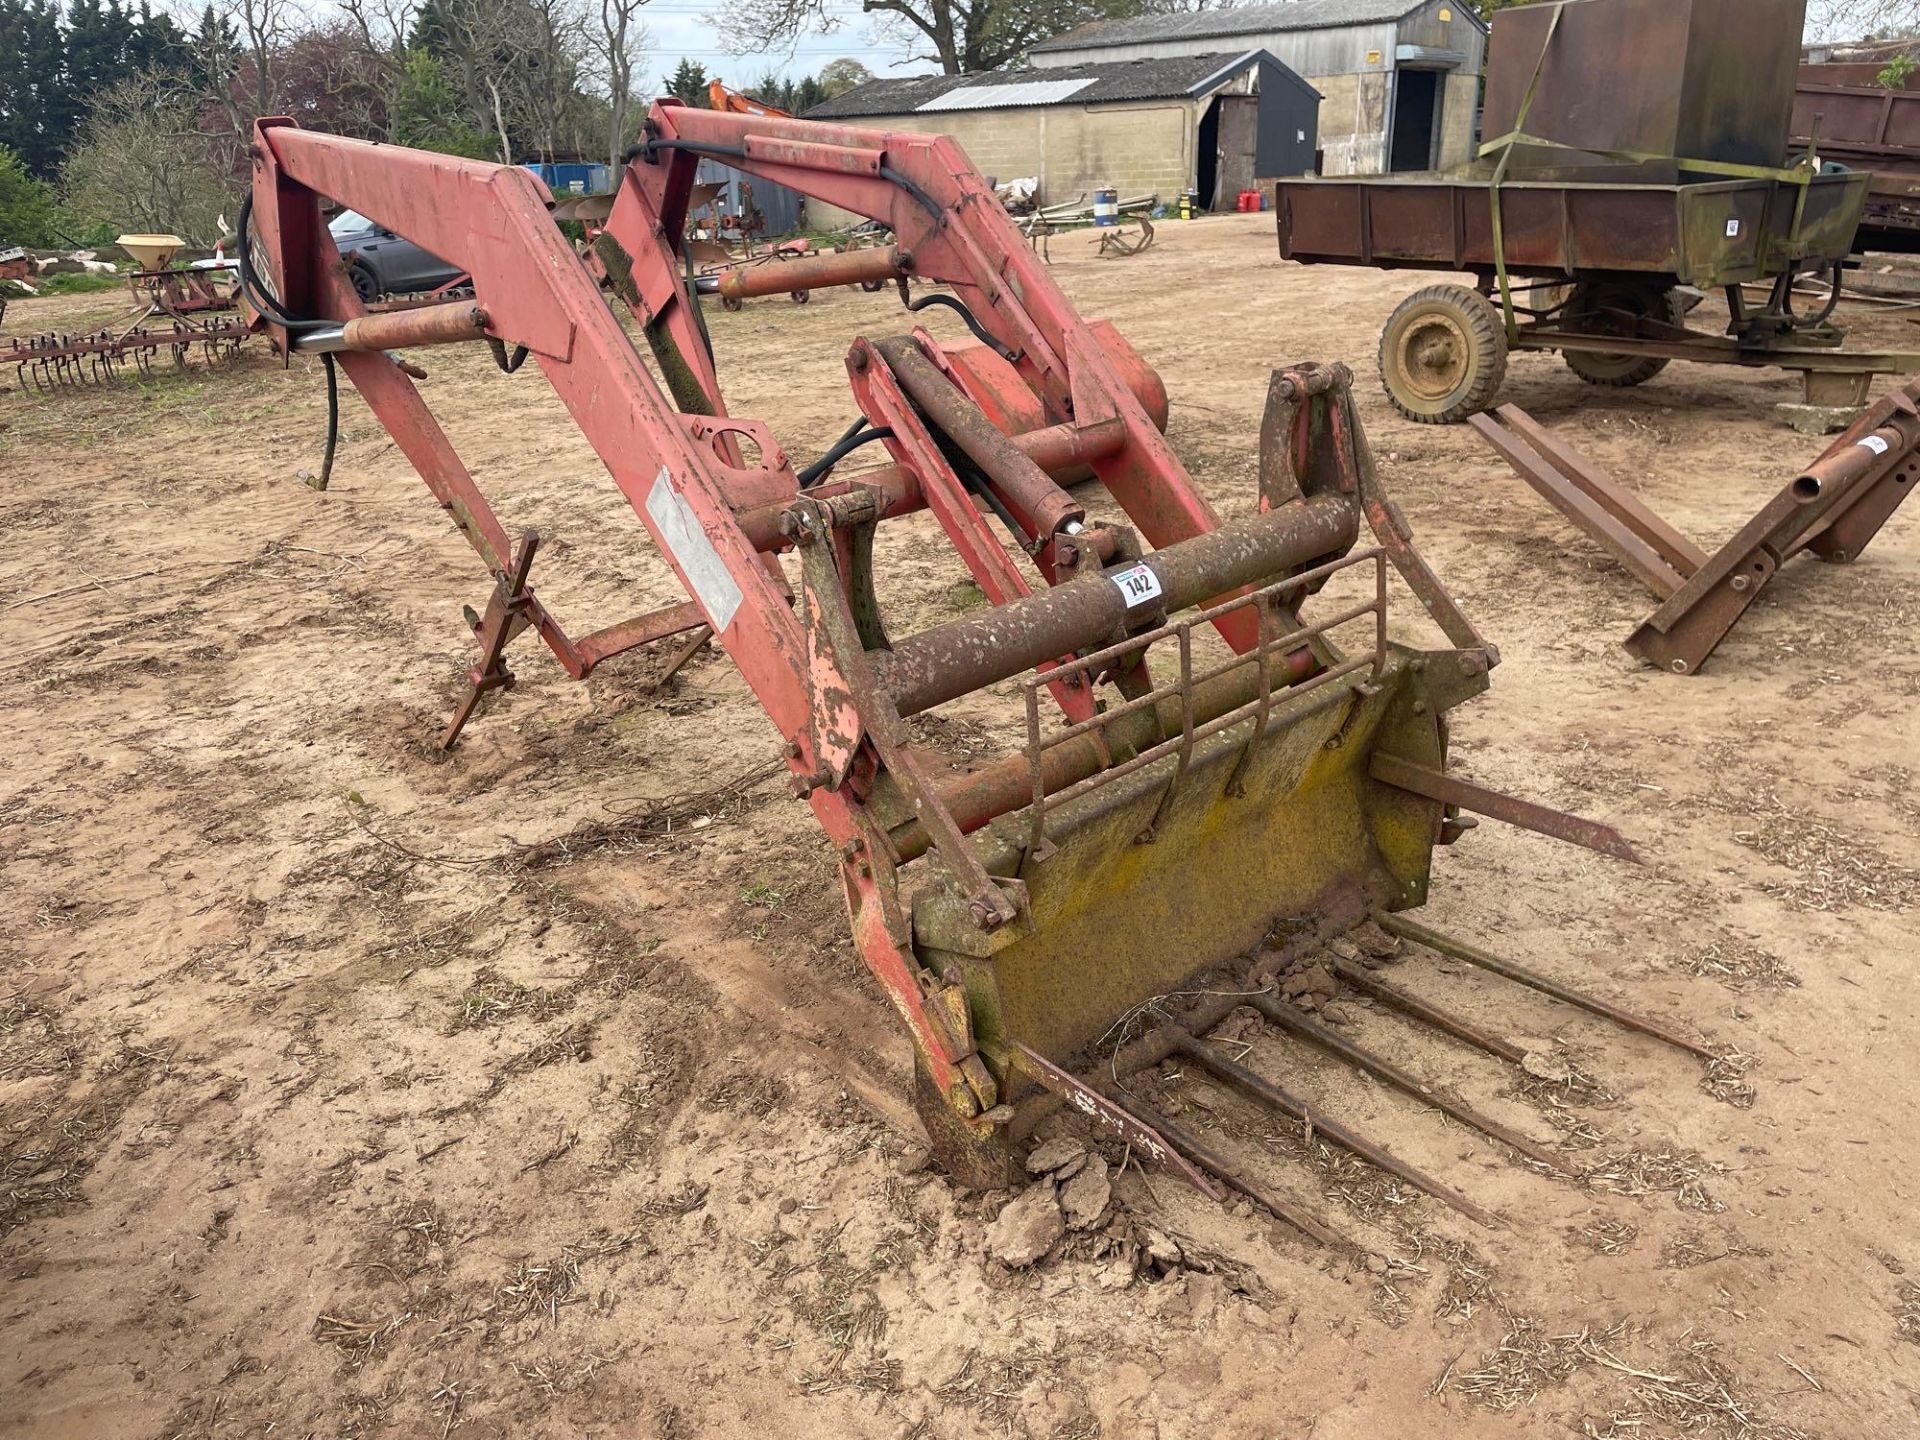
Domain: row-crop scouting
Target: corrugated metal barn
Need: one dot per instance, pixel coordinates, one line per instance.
(1401, 78)
(1213, 123)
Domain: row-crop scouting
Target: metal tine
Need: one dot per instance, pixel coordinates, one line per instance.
(1425, 1010)
(1264, 1090)
(1290, 1019)
(1217, 1164)
(1473, 955)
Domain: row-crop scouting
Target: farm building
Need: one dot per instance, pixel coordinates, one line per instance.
(1400, 78)
(1213, 123)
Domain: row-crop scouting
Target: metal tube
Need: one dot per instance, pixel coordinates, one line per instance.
(1007, 784)
(1054, 448)
(1021, 482)
(809, 272)
(982, 649)
(1460, 950)
(398, 330)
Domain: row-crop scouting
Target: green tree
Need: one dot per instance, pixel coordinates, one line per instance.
(688, 82)
(428, 113)
(26, 205)
(213, 51)
(837, 77)
(37, 113)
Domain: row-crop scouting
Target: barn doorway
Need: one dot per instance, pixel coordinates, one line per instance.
(1207, 157)
(1224, 164)
(1416, 119)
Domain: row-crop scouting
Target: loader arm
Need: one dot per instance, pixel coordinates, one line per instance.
(1176, 812)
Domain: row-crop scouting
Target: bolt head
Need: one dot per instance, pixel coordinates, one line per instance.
(1739, 582)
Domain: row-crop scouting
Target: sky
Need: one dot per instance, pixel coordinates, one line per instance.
(681, 27)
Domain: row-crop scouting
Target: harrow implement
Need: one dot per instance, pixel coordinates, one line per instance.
(50, 361)
(1214, 746)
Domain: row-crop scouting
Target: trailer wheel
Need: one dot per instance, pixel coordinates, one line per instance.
(1443, 355)
(1616, 307)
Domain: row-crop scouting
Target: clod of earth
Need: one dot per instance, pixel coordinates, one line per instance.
(1084, 1198)
(1059, 1157)
(1027, 1227)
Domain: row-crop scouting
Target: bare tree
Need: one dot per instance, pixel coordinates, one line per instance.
(621, 41)
(1863, 19)
(961, 35)
(382, 26)
(142, 163)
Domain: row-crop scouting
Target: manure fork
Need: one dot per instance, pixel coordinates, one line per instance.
(1222, 743)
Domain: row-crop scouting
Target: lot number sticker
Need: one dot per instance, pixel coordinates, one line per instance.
(1137, 585)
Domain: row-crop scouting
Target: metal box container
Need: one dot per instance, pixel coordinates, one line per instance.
(1709, 234)
(1690, 79)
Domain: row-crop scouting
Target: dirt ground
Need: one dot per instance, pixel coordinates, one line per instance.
(350, 1089)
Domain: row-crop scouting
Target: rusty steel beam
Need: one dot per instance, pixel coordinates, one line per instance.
(1541, 819)
(1440, 1019)
(1234, 1175)
(948, 661)
(1661, 557)
(810, 272)
(1834, 508)
(1019, 479)
(1117, 1117)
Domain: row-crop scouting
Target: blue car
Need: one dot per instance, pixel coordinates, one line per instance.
(381, 263)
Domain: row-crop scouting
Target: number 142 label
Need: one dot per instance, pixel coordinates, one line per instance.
(1137, 585)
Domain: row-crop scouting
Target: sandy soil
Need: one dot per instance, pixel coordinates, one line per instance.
(350, 1089)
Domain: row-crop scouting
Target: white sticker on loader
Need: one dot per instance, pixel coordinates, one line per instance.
(713, 584)
(1875, 444)
(1733, 229)
(1137, 585)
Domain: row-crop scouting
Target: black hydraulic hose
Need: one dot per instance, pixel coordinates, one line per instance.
(646, 148)
(271, 305)
(699, 315)
(333, 422)
(264, 302)
(926, 201)
(854, 437)
(980, 333)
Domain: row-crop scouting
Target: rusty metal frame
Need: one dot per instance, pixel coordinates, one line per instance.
(835, 687)
(1832, 509)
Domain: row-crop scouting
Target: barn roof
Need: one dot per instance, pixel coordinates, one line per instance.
(1099, 83)
(1240, 20)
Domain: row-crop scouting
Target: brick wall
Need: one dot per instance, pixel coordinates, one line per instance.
(1073, 150)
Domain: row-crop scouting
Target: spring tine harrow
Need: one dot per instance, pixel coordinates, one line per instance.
(54, 360)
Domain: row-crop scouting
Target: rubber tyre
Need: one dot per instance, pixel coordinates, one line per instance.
(1443, 354)
(1597, 367)
(365, 284)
